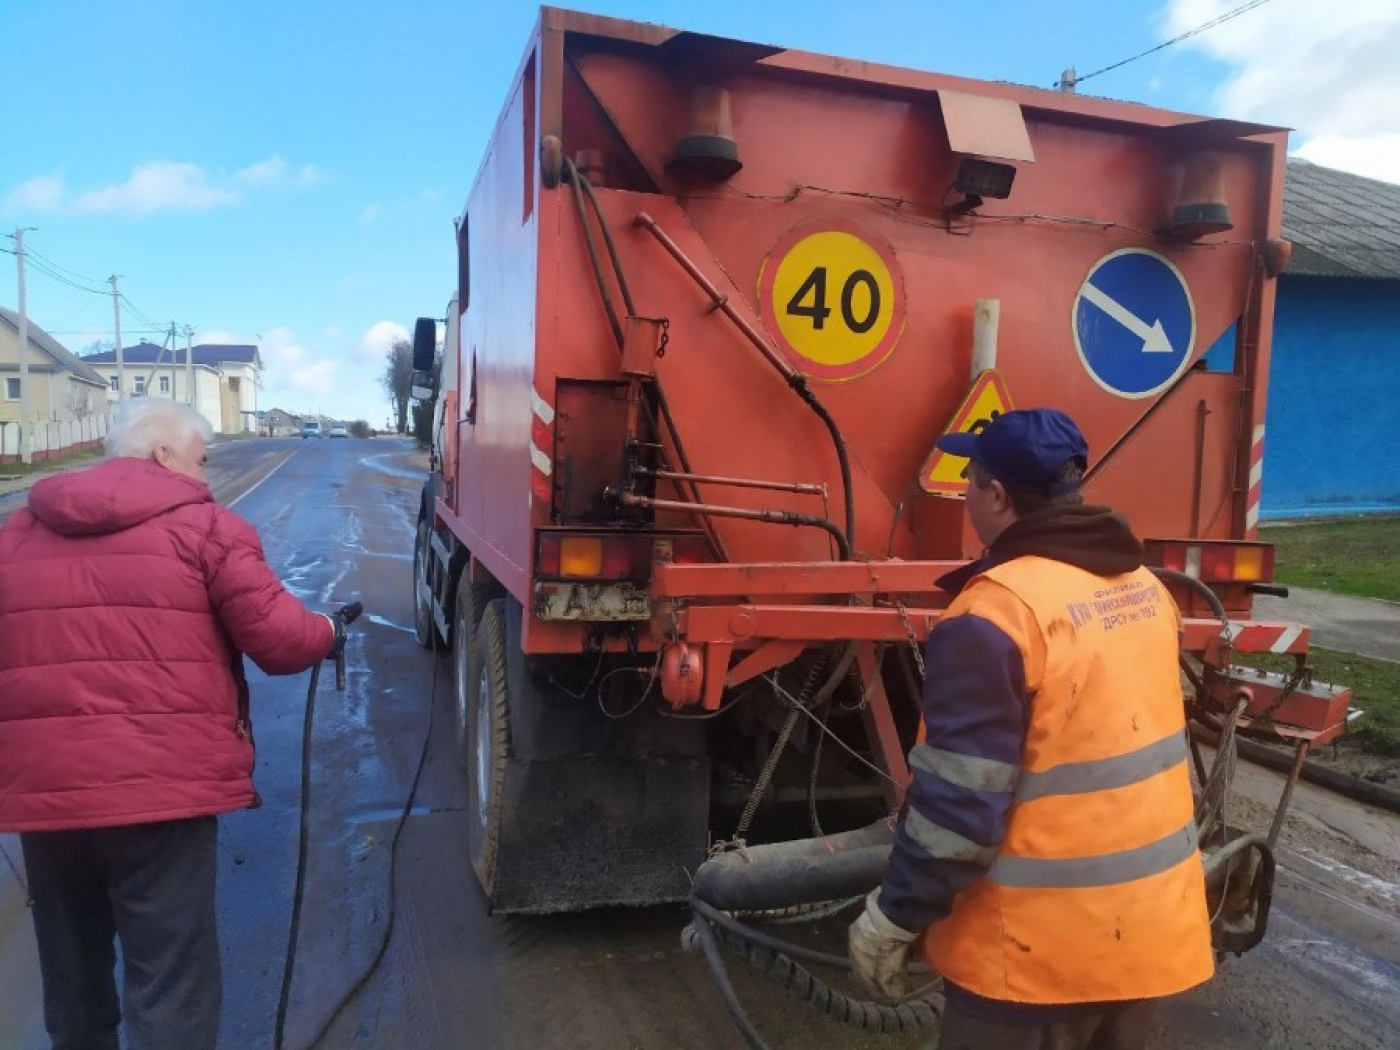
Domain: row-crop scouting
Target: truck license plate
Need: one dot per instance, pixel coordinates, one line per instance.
(591, 601)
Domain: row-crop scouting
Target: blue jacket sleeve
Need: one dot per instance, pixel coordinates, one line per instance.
(975, 711)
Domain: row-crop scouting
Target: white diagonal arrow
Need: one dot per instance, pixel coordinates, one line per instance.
(1154, 339)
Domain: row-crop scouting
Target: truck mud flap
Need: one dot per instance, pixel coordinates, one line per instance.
(585, 832)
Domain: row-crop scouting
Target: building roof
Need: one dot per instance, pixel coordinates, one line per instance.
(62, 357)
(211, 354)
(1341, 225)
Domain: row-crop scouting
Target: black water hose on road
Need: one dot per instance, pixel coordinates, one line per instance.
(346, 615)
(763, 877)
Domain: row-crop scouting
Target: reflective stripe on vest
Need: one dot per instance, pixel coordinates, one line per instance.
(1105, 774)
(1106, 870)
(966, 771)
(938, 841)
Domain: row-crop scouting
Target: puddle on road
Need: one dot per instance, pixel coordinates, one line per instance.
(381, 464)
(388, 623)
(1382, 888)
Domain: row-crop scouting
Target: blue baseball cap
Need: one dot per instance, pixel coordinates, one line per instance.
(1026, 449)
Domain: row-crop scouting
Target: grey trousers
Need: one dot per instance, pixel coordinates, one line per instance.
(151, 886)
(1119, 1027)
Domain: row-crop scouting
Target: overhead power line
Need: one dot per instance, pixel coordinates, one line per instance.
(1218, 20)
(32, 254)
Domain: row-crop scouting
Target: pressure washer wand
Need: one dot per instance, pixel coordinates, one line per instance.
(347, 615)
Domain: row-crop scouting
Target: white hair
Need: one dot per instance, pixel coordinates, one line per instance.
(142, 424)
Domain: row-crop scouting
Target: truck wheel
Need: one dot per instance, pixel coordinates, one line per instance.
(423, 627)
(472, 599)
(488, 735)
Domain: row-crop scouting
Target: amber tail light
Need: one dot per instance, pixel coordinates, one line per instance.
(1219, 561)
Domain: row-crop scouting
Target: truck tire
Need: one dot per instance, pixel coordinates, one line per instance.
(424, 629)
(488, 736)
(471, 602)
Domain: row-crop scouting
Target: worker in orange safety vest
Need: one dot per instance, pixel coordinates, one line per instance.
(1047, 856)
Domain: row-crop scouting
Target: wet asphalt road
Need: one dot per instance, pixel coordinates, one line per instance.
(337, 519)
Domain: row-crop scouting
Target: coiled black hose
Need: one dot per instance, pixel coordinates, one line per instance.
(778, 961)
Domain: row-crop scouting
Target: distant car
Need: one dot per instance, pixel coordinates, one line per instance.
(311, 430)
(339, 432)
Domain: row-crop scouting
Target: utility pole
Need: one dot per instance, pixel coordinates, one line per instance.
(189, 365)
(26, 442)
(117, 318)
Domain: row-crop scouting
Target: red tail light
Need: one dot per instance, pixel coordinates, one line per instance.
(1214, 561)
(577, 555)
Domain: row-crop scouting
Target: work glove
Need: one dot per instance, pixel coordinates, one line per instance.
(879, 951)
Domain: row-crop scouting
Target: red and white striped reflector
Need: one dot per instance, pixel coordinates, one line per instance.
(1256, 482)
(541, 445)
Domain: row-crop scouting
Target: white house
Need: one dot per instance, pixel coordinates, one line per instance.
(67, 398)
(224, 379)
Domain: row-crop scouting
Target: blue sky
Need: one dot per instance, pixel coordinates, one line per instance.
(287, 172)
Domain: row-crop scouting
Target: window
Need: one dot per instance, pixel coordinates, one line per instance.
(113, 385)
(165, 384)
(140, 387)
(11, 389)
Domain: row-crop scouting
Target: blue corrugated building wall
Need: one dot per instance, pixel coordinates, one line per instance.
(1332, 439)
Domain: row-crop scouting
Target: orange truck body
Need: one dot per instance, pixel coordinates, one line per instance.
(846, 255)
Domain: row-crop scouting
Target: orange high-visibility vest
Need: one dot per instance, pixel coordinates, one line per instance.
(1097, 892)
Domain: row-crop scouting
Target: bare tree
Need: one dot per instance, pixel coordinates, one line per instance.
(398, 379)
(79, 401)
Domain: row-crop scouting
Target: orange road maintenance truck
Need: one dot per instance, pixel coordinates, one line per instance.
(715, 303)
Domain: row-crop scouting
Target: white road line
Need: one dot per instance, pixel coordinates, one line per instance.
(257, 484)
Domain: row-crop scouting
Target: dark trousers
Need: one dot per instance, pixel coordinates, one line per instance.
(152, 887)
(1118, 1027)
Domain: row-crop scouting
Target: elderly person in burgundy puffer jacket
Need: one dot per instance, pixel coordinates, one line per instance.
(127, 600)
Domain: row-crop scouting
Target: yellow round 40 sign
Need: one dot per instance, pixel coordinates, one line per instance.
(834, 296)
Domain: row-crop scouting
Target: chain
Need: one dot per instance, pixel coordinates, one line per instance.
(665, 337)
(913, 638)
(1295, 679)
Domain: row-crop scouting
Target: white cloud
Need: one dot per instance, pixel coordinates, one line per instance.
(160, 186)
(277, 173)
(1327, 70)
(43, 193)
(369, 212)
(379, 338)
(218, 336)
(316, 379)
(1375, 156)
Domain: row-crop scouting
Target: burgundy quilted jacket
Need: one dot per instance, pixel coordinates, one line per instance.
(127, 597)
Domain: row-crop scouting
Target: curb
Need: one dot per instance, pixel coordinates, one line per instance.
(1342, 783)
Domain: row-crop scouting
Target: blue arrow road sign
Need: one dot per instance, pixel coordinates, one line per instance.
(1134, 323)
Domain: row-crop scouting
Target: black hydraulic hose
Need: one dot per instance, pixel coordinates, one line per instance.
(608, 242)
(574, 180)
(798, 382)
(705, 934)
(1212, 599)
(706, 911)
(665, 406)
(712, 927)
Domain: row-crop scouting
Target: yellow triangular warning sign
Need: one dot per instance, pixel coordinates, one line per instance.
(944, 474)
